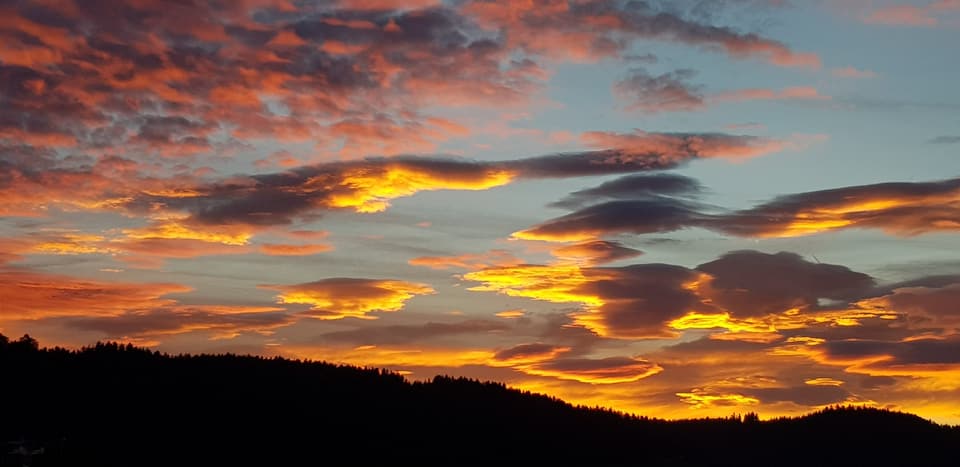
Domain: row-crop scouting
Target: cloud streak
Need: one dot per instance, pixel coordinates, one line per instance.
(902, 209)
(338, 298)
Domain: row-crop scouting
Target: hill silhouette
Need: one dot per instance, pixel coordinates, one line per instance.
(120, 405)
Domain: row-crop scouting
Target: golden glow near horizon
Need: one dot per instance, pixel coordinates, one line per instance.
(698, 399)
(635, 371)
(824, 382)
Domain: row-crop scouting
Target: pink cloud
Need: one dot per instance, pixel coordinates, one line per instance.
(928, 15)
(790, 93)
(852, 72)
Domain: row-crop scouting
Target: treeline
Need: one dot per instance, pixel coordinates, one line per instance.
(120, 405)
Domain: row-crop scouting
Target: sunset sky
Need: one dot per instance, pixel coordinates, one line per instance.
(679, 208)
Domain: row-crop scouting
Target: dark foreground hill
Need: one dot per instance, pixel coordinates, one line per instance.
(115, 405)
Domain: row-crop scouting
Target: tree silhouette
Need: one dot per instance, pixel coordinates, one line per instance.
(119, 405)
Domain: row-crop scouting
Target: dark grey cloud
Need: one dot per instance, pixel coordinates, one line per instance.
(283, 197)
(944, 351)
(526, 350)
(633, 187)
(945, 140)
(604, 162)
(641, 216)
(753, 283)
(900, 208)
(667, 92)
(640, 299)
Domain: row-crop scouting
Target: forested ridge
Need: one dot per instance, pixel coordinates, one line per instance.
(119, 405)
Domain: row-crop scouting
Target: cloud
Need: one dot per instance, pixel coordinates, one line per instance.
(927, 15)
(672, 92)
(34, 295)
(526, 352)
(150, 325)
(339, 298)
(853, 73)
(366, 186)
(361, 186)
(751, 283)
(931, 307)
(669, 92)
(511, 314)
(591, 29)
(803, 395)
(643, 216)
(468, 261)
(932, 358)
(627, 302)
(690, 145)
(745, 295)
(609, 370)
(903, 209)
(352, 77)
(595, 252)
(632, 187)
(277, 249)
(699, 398)
(945, 140)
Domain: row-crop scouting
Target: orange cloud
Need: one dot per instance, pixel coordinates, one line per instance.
(557, 284)
(54, 242)
(150, 327)
(355, 298)
(511, 314)
(903, 209)
(630, 302)
(275, 249)
(561, 30)
(612, 370)
(468, 261)
(393, 357)
(33, 295)
(912, 15)
(594, 252)
(176, 230)
(823, 382)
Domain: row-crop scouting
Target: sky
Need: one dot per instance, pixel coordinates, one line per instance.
(678, 209)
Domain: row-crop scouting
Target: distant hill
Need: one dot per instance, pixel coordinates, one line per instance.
(119, 405)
